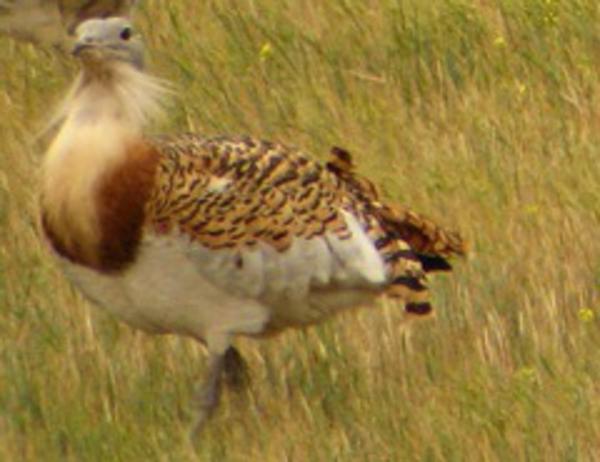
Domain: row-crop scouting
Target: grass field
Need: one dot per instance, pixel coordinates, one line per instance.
(483, 114)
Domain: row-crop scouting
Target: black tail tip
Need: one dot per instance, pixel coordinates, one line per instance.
(434, 263)
(419, 309)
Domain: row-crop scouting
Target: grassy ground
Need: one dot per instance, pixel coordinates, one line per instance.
(484, 114)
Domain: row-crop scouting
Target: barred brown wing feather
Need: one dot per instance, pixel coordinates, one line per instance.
(233, 192)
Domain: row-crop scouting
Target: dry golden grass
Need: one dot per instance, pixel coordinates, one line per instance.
(485, 115)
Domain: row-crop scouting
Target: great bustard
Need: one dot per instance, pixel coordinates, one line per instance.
(214, 237)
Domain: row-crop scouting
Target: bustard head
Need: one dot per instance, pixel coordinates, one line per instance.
(101, 42)
(112, 77)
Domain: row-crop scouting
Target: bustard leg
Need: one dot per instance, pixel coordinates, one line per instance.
(228, 366)
(235, 370)
(209, 393)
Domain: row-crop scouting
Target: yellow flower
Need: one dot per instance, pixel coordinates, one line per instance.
(266, 51)
(500, 42)
(526, 374)
(531, 209)
(586, 314)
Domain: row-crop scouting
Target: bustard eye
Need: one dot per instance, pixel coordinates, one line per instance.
(125, 33)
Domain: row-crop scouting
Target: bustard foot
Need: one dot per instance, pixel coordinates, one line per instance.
(228, 366)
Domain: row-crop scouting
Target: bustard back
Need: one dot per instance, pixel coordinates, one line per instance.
(214, 237)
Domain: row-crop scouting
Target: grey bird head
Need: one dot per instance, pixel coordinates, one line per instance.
(102, 41)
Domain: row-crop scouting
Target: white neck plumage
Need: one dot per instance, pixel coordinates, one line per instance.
(117, 90)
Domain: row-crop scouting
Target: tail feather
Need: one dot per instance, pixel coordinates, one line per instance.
(422, 234)
(432, 263)
(412, 290)
(410, 244)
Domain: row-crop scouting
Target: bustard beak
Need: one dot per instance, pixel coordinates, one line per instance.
(80, 46)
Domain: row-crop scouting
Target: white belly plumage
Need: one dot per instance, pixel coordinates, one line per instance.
(179, 286)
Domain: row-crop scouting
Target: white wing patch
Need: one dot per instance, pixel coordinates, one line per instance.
(356, 260)
(218, 184)
(265, 273)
